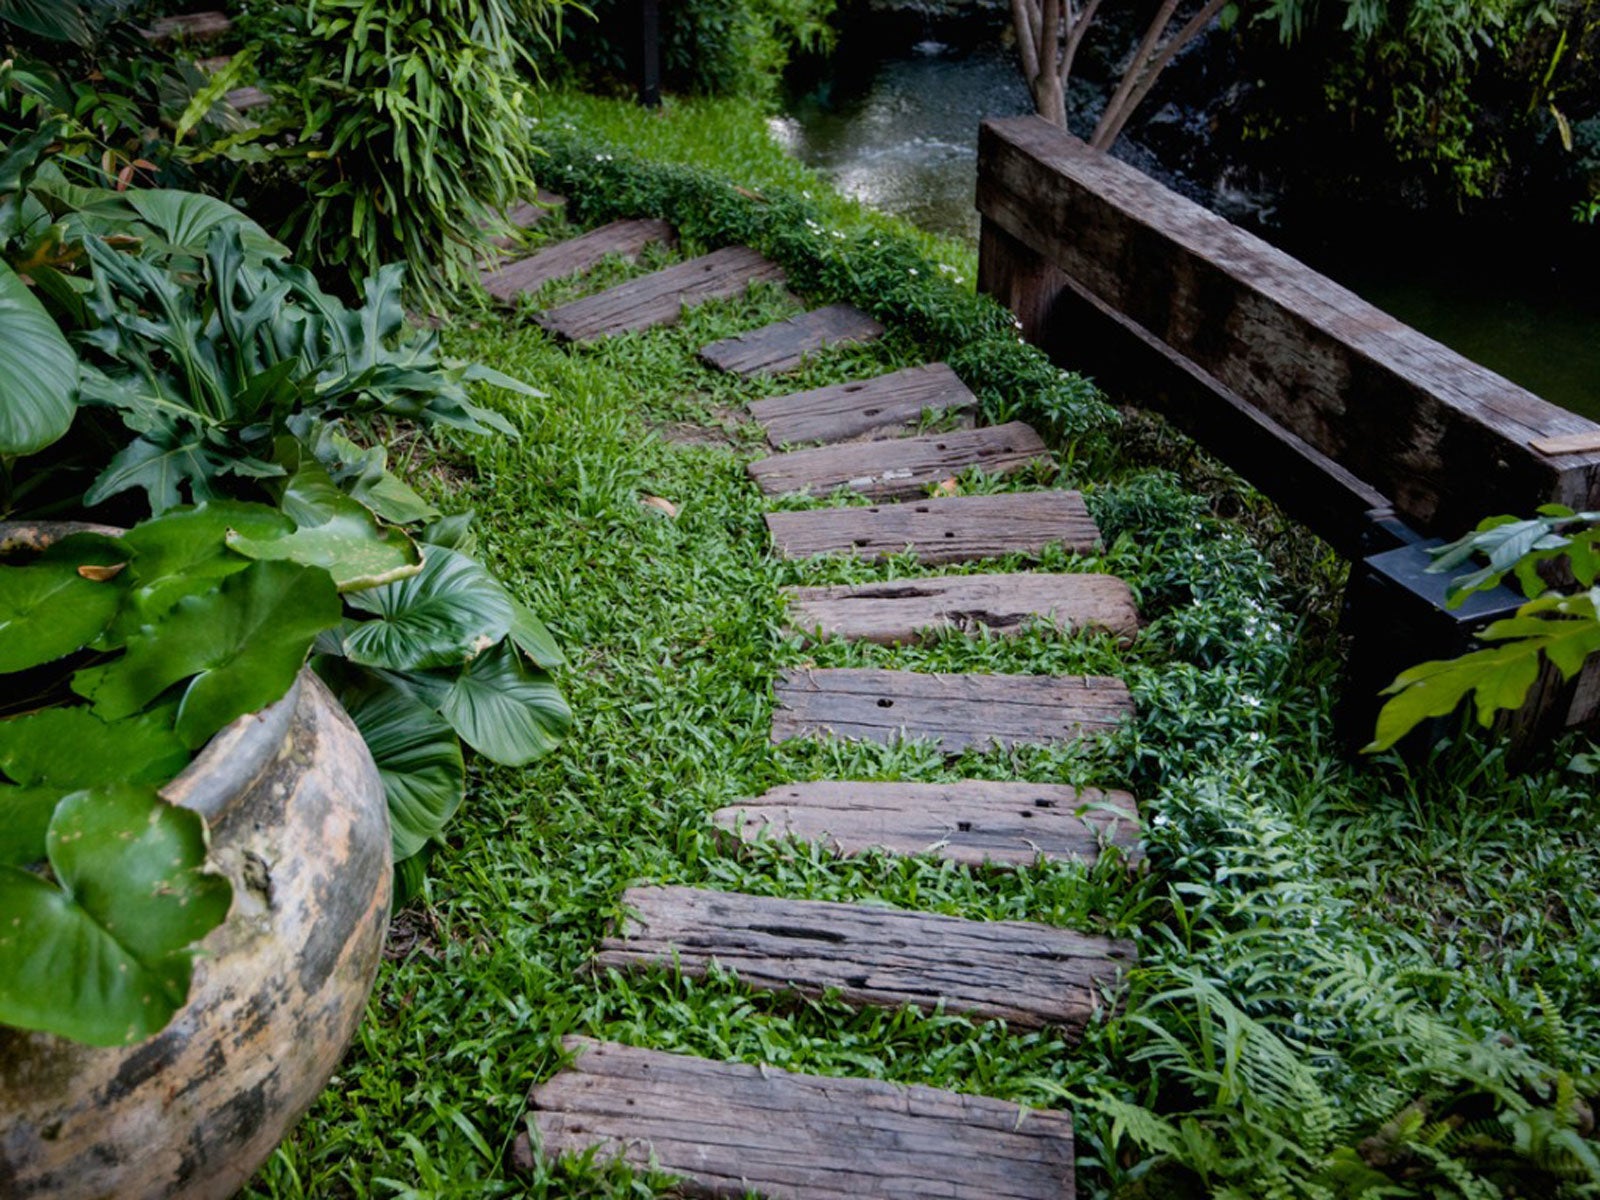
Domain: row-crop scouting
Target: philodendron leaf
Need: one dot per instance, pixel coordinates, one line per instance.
(531, 636)
(38, 371)
(186, 221)
(49, 609)
(103, 954)
(336, 533)
(506, 710)
(25, 814)
(71, 748)
(1498, 677)
(242, 643)
(185, 551)
(443, 616)
(418, 757)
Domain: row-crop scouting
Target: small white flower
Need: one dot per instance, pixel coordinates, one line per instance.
(911, 270)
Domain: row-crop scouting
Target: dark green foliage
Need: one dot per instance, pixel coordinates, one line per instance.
(415, 128)
(708, 47)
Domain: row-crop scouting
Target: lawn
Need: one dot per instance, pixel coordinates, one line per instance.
(1341, 959)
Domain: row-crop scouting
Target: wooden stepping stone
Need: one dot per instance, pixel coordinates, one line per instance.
(904, 610)
(902, 467)
(885, 406)
(973, 822)
(192, 27)
(946, 530)
(660, 298)
(784, 345)
(245, 98)
(959, 712)
(733, 1129)
(1025, 974)
(625, 239)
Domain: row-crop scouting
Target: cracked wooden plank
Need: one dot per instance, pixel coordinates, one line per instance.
(901, 467)
(976, 822)
(730, 1129)
(1025, 974)
(625, 239)
(886, 406)
(661, 297)
(782, 346)
(946, 530)
(958, 712)
(189, 27)
(906, 610)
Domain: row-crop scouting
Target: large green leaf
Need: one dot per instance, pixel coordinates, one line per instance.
(38, 371)
(185, 551)
(531, 636)
(186, 221)
(48, 610)
(55, 20)
(25, 814)
(71, 748)
(103, 954)
(505, 709)
(242, 643)
(336, 533)
(443, 616)
(161, 464)
(418, 756)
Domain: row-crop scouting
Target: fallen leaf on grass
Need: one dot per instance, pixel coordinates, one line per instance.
(660, 505)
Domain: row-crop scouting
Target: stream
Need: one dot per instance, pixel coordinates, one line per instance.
(894, 124)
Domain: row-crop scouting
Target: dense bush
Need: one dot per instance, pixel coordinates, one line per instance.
(708, 47)
(414, 127)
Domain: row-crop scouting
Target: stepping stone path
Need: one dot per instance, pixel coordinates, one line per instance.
(785, 345)
(624, 239)
(903, 467)
(906, 610)
(958, 712)
(660, 298)
(733, 1129)
(887, 406)
(976, 822)
(1025, 974)
(948, 530)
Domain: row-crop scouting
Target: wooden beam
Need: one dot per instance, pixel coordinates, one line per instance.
(1446, 440)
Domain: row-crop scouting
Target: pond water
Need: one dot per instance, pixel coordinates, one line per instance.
(894, 124)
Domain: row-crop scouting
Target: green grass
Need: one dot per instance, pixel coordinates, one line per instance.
(1322, 942)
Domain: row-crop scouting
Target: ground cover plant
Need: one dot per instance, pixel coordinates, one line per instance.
(1356, 978)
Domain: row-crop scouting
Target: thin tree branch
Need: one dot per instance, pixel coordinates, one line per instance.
(1147, 45)
(1075, 31)
(1027, 40)
(1196, 26)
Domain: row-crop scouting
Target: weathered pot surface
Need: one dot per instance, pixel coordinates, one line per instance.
(299, 825)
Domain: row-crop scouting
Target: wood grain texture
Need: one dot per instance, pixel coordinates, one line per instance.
(1026, 974)
(625, 239)
(974, 821)
(660, 297)
(784, 345)
(1134, 366)
(1444, 438)
(886, 406)
(1570, 443)
(901, 467)
(904, 610)
(730, 1129)
(191, 27)
(951, 529)
(246, 98)
(958, 712)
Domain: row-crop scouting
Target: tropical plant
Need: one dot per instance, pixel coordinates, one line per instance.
(210, 370)
(415, 123)
(166, 635)
(1558, 625)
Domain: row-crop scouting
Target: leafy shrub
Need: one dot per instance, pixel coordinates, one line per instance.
(415, 128)
(707, 47)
